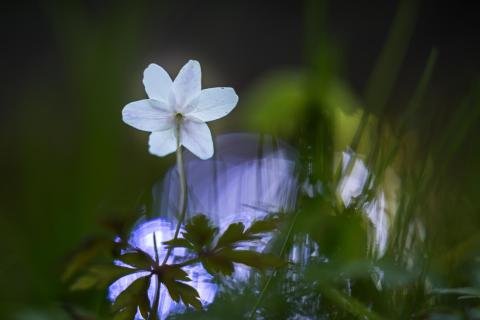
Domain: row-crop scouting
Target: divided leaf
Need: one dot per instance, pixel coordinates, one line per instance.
(167, 273)
(181, 291)
(265, 225)
(101, 276)
(171, 277)
(178, 243)
(199, 232)
(218, 262)
(233, 234)
(222, 261)
(256, 259)
(220, 257)
(133, 297)
(138, 259)
(199, 236)
(236, 231)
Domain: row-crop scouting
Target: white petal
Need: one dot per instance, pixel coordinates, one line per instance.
(148, 115)
(157, 82)
(187, 84)
(162, 143)
(196, 137)
(214, 103)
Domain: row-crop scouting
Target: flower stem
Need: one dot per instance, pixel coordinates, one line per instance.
(182, 209)
(154, 309)
(182, 200)
(156, 297)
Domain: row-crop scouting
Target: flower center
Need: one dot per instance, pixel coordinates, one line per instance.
(178, 117)
(178, 123)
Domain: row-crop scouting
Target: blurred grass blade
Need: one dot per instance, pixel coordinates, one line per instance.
(349, 304)
(386, 70)
(417, 98)
(407, 116)
(388, 65)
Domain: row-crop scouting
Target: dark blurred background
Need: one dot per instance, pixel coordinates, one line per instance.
(69, 67)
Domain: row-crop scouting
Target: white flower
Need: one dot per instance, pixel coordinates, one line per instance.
(180, 102)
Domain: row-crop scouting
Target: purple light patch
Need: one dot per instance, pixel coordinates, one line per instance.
(249, 177)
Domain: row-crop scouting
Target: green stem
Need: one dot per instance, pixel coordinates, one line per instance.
(156, 297)
(182, 200)
(270, 278)
(155, 247)
(153, 310)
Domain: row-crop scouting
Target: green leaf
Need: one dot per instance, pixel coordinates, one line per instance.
(84, 282)
(233, 234)
(266, 225)
(171, 273)
(255, 259)
(135, 295)
(178, 243)
(200, 232)
(189, 295)
(100, 276)
(138, 259)
(236, 231)
(106, 274)
(218, 263)
(181, 291)
(125, 314)
(84, 256)
(144, 304)
(171, 276)
(222, 261)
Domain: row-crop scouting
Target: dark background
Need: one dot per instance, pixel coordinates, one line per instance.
(69, 67)
(246, 38)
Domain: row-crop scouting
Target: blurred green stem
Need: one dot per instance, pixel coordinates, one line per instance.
(270, 278)
(349, 304)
